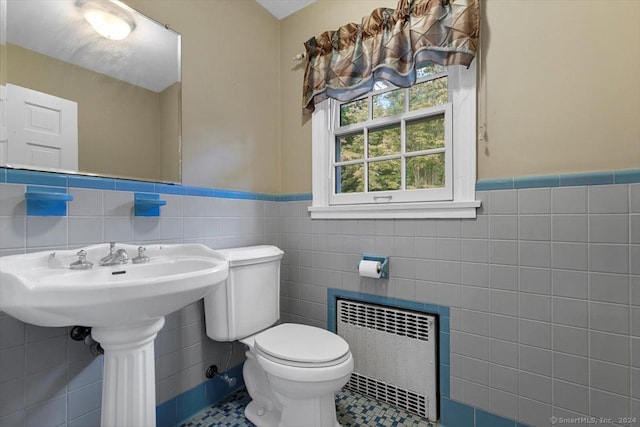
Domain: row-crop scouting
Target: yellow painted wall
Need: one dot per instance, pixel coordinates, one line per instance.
(230, 91)
(562, 87)
(561, 94)
(559, 89)
(118, 123)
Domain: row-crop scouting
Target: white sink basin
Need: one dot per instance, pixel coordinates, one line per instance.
(124, 304)
(40, 288)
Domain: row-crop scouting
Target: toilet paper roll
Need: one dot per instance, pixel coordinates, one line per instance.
(370, 269)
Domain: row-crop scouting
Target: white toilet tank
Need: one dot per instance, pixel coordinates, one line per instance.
(249, 300)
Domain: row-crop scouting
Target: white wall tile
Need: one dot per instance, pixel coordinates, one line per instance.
(535, 333)
(609, 317)
(504, 327)
(534, 413)
(503, 227)
(84, 231)
(503, 403)
(607, 405)
(535, 387)
(534, 227)
(535, 254)
(609, 347)
(85, 202)
(570, 256)
(504, 378)
(503, 202)
(51, 413)
(535, 360)
(571, 396)
(43, 231)
(571, 340)
(118, 229)
(569, 200)
(504, 353)
(503, 252)
(504, 302)
(535, 280)
(503, 277)
(609, 377)
(608, 199)
(12, 201)
(609, 228)
(118, 203)
(534, 201)
(569, 228)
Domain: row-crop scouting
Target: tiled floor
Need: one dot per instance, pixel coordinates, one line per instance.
(353, 409)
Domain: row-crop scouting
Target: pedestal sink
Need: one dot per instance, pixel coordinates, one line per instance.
(124, 304)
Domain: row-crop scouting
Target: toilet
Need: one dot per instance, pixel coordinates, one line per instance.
(292, 371)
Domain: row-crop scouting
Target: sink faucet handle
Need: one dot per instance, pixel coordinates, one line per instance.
(141, 258)
(81, 263)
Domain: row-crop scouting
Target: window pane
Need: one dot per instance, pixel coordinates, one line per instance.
(349, 147)
(385, 175)
(428, 94)
(430, 70)
(350, 179)
(388, 103)
(425, 134)
(425, 171)
(354, 112)
(384, 141)
(381, 85)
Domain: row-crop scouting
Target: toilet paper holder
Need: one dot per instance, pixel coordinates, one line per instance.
(382, 259)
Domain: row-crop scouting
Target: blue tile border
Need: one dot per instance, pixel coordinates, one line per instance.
(20, 176)
(629, 176)
(23, 176)
(593, 178)
(626, 176)
(452, 413)
(91, 182)
(178, 409)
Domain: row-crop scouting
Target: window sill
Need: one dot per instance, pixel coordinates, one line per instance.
(400, 211)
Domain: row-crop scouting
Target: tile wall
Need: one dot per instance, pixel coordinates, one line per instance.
(47, 379)
(543, 288)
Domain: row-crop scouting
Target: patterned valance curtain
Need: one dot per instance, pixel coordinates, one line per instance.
(389, 45)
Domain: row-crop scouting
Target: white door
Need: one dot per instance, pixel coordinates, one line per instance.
(42, 129)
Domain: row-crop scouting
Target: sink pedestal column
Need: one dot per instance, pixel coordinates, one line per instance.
(129, 386)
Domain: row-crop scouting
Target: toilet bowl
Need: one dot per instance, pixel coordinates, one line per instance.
(292, 371)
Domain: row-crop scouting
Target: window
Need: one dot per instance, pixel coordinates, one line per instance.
(398, 153)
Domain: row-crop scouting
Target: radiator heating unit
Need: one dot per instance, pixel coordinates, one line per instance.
(394, 352)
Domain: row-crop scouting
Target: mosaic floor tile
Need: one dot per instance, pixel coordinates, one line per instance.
(353, 410)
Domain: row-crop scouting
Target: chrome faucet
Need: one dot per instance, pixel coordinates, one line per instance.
(115, 257)
(81, 263)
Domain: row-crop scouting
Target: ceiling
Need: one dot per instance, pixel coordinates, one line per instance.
(283, 8)
(56, 28)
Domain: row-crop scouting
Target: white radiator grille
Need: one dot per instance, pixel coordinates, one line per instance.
(394, 355)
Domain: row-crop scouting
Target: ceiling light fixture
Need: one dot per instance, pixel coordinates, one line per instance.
(109, 19)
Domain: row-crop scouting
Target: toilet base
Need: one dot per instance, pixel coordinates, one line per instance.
(270, 418)
(260, 416)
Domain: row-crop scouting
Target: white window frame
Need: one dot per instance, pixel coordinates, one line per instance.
(462, 97)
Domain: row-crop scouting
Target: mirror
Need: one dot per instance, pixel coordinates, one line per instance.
(71, 94)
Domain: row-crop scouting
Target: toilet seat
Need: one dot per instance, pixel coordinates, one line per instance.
(301, 346)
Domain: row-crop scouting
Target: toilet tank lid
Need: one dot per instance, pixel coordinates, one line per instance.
(251, 254)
